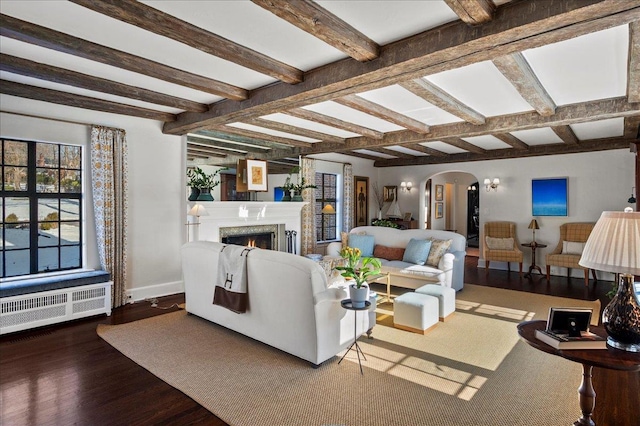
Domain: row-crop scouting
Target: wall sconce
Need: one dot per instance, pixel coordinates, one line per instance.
(632, 199)
(471, 188)
(489, 184)
(406, 186)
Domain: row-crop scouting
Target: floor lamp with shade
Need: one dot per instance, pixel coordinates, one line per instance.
(614, 246)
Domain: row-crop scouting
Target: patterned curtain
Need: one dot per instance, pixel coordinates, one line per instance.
(308, 234)
(109, 182)
(348, 210)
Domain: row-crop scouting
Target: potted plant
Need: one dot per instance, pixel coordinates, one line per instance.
(297, 188)
(201, 184)
(359, 272)
(287, 187)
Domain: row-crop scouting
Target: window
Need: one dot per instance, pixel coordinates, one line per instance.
(326, 193)
(41, 203)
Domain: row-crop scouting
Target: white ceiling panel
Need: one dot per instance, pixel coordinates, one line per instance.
(272, 132)
(388, 21)
(310, 125)
(342, 112)
(487, 142)
(404, 150)
(399, 99)
(593, 66)
(481, 87)
(543, 136)
(444, 147)
(599, 129)
(374, 153)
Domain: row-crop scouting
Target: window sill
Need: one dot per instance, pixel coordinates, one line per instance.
(52, 282)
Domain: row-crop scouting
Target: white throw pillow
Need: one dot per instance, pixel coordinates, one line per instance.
(499, 243)
(572, 247)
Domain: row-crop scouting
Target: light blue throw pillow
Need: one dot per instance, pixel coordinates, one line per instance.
(417, 251)
(363, 242)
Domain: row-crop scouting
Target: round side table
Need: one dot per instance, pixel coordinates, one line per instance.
(346, 304)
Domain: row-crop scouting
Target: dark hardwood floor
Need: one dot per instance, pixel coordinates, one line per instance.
(67, 375)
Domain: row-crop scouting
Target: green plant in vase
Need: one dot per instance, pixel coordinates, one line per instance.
(358, 270)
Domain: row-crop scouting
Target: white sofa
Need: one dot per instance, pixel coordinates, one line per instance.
(290, 306)
(450, 270)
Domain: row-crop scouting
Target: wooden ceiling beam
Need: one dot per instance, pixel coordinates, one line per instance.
(511, 140)
(535, 151)
(327, 120)
(632, 127)
(377, 110)
(438, 97)
(295, 130)
(389, 151)
(519, 26)
(79, 101)
(155, 21)
(566, 134)
(228, 145)
(424, 149)
(265, 137)
(212, 133)
(517, 70)
(197, 144)
(46, 72)
(50, 39)
(319, 22)
(361, 155)
(473, 12)
(462, 144)
(208, 152)
(633, 69)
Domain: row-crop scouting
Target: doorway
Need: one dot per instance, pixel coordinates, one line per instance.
(473, 215)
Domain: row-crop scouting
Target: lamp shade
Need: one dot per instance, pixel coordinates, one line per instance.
(534, 224)
(614, 244)
(328, 209)
(198, 210)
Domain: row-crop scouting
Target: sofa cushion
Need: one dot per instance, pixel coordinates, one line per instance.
(363, 242)
(499, 243)
(417, 251)
(438, 249)
(571, 247)
(429, 273)
(388, 253)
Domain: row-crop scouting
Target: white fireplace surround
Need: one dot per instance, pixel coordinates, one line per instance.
(223, 214)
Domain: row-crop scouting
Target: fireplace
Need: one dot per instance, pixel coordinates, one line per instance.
(268, 237)
(264, 240)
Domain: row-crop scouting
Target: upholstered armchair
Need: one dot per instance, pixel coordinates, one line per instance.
(501, 244)
(567, 253)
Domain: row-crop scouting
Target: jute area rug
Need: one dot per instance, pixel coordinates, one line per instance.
(470, 370)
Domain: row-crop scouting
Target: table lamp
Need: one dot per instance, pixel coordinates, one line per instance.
(614, 246)
(534, 225)
(197, 210)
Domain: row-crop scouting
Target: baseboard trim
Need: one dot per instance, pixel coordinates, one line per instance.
(156, 290)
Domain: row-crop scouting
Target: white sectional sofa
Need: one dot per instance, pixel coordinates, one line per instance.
(450, 269)
(290, 306)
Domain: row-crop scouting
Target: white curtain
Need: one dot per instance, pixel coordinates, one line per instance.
(109, 184)
(308, 234)
(348, 209)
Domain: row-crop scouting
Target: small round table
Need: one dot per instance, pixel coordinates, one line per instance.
(346, 303)
(533, 246)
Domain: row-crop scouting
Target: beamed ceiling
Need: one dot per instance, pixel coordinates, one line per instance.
(397, 82)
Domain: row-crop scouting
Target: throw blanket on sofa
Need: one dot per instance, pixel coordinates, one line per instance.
(231, 285)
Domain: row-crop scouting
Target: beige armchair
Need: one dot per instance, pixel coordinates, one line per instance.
(501, 244)
(567, 253)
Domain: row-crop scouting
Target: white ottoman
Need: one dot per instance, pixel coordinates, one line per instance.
(415, 312)
(446, 298)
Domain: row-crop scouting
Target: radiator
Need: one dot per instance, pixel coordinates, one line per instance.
(50, 307)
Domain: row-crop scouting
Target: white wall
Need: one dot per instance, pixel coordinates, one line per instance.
(156, 187)
(598, 181)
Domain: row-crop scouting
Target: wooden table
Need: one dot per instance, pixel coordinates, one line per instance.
(533, 246)
(610, 358)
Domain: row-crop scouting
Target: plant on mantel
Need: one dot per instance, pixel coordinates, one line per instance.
(202, 183)
(297, 188)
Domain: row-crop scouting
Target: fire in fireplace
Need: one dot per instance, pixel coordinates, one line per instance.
(263, 240)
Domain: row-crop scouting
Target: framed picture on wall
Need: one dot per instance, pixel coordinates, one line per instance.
(549, 197)
(439, 212)
(439, 192)
(390, 193)
(361, 200)
(256, 175)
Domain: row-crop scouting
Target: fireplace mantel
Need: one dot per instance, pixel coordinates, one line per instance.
(224, 214)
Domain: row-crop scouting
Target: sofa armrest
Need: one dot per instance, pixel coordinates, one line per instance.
(446, 266)
(331, 294)
(333, 249)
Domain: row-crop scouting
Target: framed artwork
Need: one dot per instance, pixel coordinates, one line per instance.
(549, 197)
(389, 193)
(439, 191)
(361, 200)
(439, 207)
(256, 175)
(407, 216)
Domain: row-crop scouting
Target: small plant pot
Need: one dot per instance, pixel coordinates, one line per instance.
(358, 295)
(194, 194)
(205, 195)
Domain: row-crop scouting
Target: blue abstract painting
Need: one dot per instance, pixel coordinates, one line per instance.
(549, 197)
